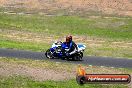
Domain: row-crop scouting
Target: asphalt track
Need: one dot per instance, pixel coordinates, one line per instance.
(87, 60)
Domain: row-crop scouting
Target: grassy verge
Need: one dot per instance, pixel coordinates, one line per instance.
(47, 64)
(114, 28)
(104, 49)
(25, 82)
(40, 64)
(23, 45)
(108, 51)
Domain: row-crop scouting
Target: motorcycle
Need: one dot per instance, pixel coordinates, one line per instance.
(60, 50)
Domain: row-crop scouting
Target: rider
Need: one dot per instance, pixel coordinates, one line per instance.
(71, 45)
(65, 46)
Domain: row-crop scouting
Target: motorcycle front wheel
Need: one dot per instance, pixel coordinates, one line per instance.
(49, 54)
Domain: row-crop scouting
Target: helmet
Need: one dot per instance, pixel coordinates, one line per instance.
(70, 37)
(67, 39)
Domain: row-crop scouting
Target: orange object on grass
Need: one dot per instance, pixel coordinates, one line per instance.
(81, 71)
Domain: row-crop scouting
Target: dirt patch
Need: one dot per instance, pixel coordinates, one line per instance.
(44, 38)
(40, 74)
(120, 7)
(2, 2)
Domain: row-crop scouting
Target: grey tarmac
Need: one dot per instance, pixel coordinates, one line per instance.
(87, 60)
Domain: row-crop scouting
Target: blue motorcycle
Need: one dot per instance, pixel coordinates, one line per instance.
(60, 50)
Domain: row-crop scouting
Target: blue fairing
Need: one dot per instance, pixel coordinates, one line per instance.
(52, 49)
(80, 45)
(64, 46)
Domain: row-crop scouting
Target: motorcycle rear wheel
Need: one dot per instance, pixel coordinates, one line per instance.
(78, 56)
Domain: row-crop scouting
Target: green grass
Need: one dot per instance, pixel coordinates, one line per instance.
(114, 28)
(25, 82)
(5, 43)
(109, 51)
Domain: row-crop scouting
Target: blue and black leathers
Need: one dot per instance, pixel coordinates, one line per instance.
(72, 47)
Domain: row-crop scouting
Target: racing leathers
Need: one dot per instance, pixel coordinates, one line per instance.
(72, 47)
